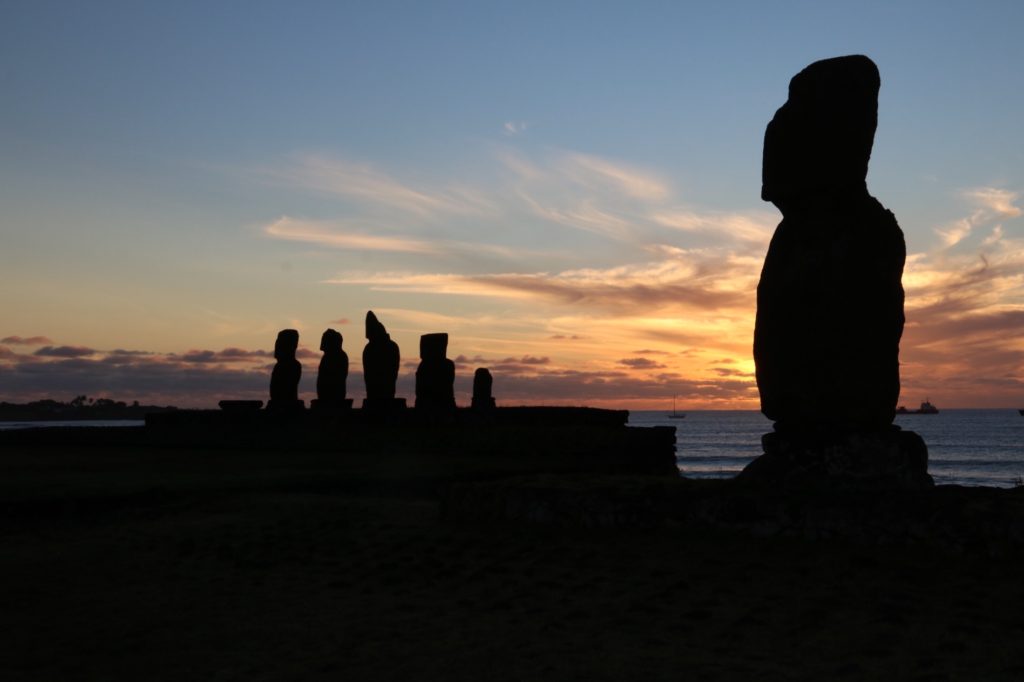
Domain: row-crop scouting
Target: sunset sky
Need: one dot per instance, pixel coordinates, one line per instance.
(570, 190)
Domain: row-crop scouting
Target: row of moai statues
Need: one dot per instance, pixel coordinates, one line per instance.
(435, 376)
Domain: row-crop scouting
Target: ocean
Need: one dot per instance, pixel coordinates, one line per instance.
(7, 426)
(965, 447)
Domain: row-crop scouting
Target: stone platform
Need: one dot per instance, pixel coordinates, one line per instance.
(884, 459)
(570, 438)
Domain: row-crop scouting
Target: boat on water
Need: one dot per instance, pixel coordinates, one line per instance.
(675, 415)
(926, 408)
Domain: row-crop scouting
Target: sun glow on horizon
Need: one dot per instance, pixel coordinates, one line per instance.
(660, 320)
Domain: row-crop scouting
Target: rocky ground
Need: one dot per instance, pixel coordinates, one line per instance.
(158, 564)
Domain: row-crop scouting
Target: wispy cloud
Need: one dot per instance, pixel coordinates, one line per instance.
(373, 188)
(754, 227)
(991, 205)
(585, 192)
(339, 235)
(333, 235)
(584, 215)
(598, 173)
(560, 188)
(999, 202)
(514, 127)
(953, 233)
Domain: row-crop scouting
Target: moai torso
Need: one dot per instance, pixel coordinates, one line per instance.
(284, 378)
(483, 384)
(332, 376)
(435, 377)
(381, 359)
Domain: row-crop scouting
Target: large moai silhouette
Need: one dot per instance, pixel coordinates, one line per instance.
(435, 376)
(381, 358)
(830, 299)
(332, 376)
(284, 378)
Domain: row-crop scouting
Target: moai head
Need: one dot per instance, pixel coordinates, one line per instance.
(820, 139)
(483, 383)
(433, 346)
(330, 342)
(286, 345)
(375, 331)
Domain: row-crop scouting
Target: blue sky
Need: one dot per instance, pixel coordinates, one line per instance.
(194, 176)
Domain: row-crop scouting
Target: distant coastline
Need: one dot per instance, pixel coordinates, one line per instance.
(79, 409)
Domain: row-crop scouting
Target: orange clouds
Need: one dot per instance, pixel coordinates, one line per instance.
(705, 279)
(26, 341)
(64, 352)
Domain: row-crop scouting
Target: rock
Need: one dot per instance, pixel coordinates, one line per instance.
(830, 299)
(332, 376)
(381, 358)
(284, 379)
(482, 385)
(435, 377)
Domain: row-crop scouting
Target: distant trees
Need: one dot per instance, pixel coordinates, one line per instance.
(79, 407)
(80, 402)
(107, 402)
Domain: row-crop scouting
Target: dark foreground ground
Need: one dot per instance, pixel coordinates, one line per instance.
(169, 565)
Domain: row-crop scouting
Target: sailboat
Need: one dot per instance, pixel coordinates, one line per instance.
(675, 415)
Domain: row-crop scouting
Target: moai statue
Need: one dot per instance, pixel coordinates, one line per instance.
(830, 299)
(435, 377)
(333, 373)
(284, 379)
(381, 358)
(482, 387)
